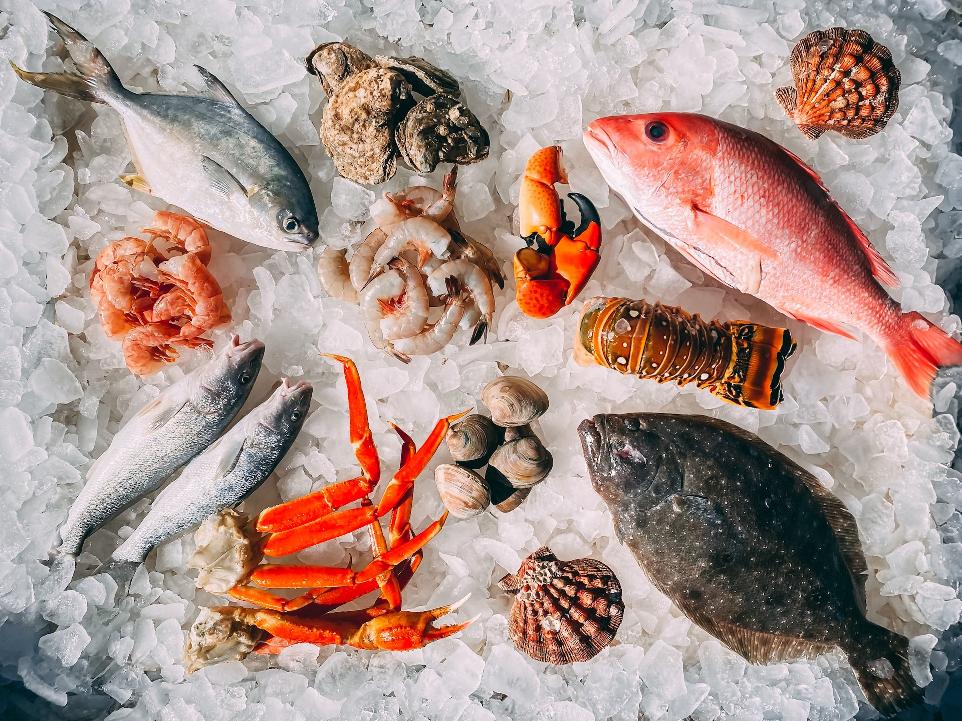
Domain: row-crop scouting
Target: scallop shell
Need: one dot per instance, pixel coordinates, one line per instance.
(514, 401)
(844, 81)
(473, 439)
(504, 497)
(564, 611)
(521, 463)
(463, 492)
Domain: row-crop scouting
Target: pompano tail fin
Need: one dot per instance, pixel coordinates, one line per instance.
(96, 81)
(755, 376)
(920, 349)
(881, 665)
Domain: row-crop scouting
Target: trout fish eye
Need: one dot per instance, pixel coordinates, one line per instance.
(656, 131)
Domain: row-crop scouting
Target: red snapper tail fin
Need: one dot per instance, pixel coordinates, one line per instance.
(920, 349)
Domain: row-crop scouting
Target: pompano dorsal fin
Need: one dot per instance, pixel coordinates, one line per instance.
(217, 89)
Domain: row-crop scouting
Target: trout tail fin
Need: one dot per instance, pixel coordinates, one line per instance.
(881, 665)
(919, 348)
(754, 378)
(96, 81)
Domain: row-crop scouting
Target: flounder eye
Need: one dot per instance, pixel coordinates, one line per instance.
(656, 131)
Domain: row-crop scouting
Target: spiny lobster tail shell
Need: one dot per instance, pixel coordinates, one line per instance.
(564, 611)
(844, 81)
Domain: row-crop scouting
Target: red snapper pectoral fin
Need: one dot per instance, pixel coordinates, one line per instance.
(720, 230)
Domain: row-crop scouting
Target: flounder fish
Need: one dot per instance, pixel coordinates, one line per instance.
(745, 542)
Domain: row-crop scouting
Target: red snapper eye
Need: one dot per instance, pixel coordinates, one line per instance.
(656, 131)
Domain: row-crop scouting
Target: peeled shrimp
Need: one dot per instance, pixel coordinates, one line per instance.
(334, 274)
(380, 291)
(363, 258)
(407, 314)
(420, 233)
(197, 295)
(475, 282)
(436, 336)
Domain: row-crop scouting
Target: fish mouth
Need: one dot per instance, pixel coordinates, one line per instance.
(596, 138)
(288, 388)
(591, 431)
(245, 351)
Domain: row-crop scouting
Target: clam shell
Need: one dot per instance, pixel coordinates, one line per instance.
(515, 432)
(844, 81)
(521, 463)
(564, 611)
(514, 401)
(473, 439)
(463, 492)
(504, 497)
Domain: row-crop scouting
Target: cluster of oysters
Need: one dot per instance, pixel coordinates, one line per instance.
(373, 117)
(515, 457)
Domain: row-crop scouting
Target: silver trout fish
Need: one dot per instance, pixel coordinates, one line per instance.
(225, 474)
(163, 435)
(207, 155)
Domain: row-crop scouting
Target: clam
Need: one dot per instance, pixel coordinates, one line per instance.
(564, 611)
(463, 492)
(521, 463)
(473, 439)
(515, 432)
(514, 401)
(504, 497)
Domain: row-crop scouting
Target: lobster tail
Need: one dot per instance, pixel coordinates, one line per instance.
(754, 377)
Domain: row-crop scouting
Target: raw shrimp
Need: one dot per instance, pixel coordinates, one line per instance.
(474, 281)
(436, 336)
(363, 258)
(182, 232)
(149, 347)
(463, 246)
(420, 233)
(197, 292)
(417, 200)
(383, 289)
(334, 274)
(406, 314)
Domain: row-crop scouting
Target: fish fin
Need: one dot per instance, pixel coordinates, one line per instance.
(151, 417)
(224, 453)
(217, 89)
(919, 348)
(136, 181)
(759, 646)
(720, 229)
(822, 324)
(221, 179)
(889, 690)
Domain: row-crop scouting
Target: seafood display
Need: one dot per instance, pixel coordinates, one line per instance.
(844, 81)
(181, 422)
(225, 474)
(373, 118)
(783, 240)
(563, 611)
(415, 260)
(749, 545)
(559, 258)
(318, 517)
(737, 361)
(158, 295)
(515, 457)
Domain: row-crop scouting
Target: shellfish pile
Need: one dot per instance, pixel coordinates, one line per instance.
(505, 442)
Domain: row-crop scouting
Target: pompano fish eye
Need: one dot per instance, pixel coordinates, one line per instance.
(656, 131)
(288, 222)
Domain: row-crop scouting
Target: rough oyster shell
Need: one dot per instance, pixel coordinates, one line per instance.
(463, 492)
(564, 611)
(215, 637)
(514, 401)
(359, 124)
(425, 78)
(844, 81)
(522, 463)
(473, 439)
(228, 549)
(333, 62)
(441, 129)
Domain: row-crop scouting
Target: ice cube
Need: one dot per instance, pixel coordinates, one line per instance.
(66, 645)
(507, 671)
(662, 671)
(350, 200)
(53, 382)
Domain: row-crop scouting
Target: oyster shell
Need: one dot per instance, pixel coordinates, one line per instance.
(441, 129)
(216, 637)
(333, 62)
(473, 439)
(426, 78)
(844, 81)
(520, 464)
(564, 611)
(359, 124)
(463, 492)
(514, 401)
(228, 549)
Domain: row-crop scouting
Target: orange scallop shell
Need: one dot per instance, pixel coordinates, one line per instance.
(844, 81)
(564, 611)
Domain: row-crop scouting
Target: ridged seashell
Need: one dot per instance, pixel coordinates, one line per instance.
(521, 463)
(514, 401)
(564, 611)
(844, 81)
(504, 497)
(473, 439)
(463, 492)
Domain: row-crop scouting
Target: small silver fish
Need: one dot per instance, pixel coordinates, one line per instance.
(225, 474)
(207, 155)
(163, 435)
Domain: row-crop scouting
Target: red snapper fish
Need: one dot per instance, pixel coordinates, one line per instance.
(753, 215)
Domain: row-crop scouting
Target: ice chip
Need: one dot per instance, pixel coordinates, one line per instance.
(65, 645)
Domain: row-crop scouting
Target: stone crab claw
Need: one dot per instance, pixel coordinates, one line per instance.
(560, 258)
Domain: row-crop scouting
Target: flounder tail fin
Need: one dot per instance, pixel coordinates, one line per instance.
(881, 665)
(754, 377)
(96, 80)
(920, 349)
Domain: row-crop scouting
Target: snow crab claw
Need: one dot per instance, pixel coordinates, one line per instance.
(559, 258)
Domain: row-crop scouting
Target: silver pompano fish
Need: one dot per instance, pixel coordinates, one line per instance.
(225, 474)
(745, 542)
(207, 155)
(163, 435)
